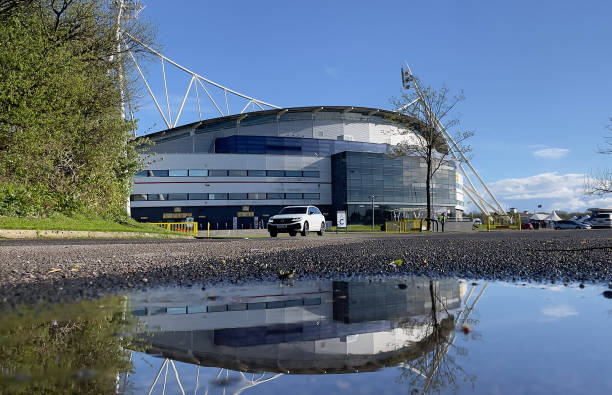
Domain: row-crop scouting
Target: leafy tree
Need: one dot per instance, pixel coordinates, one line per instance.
(70, 348)
(64, 146)
(422, 117)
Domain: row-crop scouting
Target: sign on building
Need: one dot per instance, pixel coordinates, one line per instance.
(341, 219)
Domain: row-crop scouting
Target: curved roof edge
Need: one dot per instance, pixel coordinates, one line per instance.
(369, 111)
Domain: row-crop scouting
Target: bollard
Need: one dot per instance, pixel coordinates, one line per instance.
(488, 224)
(208, 230)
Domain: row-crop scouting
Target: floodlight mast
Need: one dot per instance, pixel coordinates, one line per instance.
(456, 152)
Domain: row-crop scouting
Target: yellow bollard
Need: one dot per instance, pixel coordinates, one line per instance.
(488, 224)
(208, 230)
(519, 222)
(195, 229)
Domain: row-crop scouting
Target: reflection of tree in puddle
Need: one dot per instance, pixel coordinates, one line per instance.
(64, 348)
(434, 367)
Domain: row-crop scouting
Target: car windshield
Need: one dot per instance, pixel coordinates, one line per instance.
(293, 210)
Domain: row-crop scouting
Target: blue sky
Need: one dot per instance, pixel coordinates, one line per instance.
(536, 75)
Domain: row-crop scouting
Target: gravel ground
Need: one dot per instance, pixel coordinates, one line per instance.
(35, 270)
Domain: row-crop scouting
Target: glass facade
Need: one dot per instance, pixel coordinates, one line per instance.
(291, 146)
(395, 182)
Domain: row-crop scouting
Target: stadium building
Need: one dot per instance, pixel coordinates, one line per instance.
(236, 171)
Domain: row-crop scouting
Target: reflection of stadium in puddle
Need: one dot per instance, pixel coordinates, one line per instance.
(308, 327)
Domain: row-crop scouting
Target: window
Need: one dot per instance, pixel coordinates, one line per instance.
(217, 196)
(257, 173)
(217, 173)
(144, 173)
(177, 196)
(157, 196)
(293, 196)
(237, 196)
(293, 210)
(198, 173)
(310, 174)
(257, 196)
(137, 198)
(311, 196)
(275, 173)
(275, 196)
(293, 173)
(198, 196)
(237, 173)
(158, 173)
(177, 173)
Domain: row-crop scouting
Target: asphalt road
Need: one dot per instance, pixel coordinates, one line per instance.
(35, 270)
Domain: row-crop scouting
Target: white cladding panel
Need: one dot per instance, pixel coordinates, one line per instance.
(262, 129)
(320, 125)
(358, 130)
(328, 129)
(297, 128)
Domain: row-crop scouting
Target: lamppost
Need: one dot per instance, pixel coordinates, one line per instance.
(373, 197)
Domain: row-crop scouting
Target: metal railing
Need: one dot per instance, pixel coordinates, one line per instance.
(182, 227)
(403, 225)
(509, 221)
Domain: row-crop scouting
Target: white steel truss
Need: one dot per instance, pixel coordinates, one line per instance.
(244, 380)
(487, 207)
(197, 82)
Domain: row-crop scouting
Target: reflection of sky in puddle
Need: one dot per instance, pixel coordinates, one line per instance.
(525, 339)
(363, 337)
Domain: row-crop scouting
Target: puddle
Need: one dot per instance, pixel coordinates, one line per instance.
(391, 335)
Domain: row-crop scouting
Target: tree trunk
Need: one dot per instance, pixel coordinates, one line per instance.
(428, 190)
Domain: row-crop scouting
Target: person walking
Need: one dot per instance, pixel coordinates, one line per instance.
(442, 220)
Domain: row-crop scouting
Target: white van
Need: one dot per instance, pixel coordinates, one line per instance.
(602, 220)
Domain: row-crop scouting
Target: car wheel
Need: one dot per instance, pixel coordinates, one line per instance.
(577, 227)
(322, 231)
(305, 229)
(273, 234)
(557, 228)
(292, 233)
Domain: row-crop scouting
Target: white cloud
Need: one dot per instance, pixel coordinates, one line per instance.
(560, 311)
(545, 185)
(551, 153)
(553, 190)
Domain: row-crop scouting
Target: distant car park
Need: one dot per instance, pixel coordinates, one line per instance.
(571, 224)
(602, 220)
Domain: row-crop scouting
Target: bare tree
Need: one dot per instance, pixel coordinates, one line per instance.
(425, 115)
(599, 182)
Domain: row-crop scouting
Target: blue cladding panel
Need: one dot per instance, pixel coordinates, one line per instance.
(291, 146)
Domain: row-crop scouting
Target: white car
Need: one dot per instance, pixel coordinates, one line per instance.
(571, 224)
(294, 219)
(602, 220)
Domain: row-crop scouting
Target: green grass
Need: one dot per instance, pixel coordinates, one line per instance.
(78, 223)
(358, 228)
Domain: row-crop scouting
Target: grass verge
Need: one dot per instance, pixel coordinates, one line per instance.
(358, 228)
(79, 223)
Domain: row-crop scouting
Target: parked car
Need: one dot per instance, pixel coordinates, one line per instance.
(294, 219)
(602, 220)
(571, 224)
